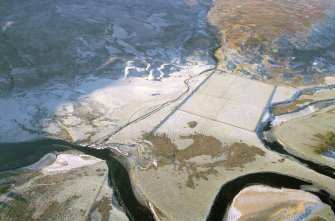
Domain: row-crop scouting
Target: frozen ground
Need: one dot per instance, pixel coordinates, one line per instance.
(69, 67)
(78, 71)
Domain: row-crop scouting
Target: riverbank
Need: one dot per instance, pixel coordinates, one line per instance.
(69, 194)
(166, 129)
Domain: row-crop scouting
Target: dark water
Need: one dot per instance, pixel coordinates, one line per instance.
(16, 155)
(22, 154)
(277, 147)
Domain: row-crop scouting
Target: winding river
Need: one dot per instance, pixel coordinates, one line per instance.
(120, 182)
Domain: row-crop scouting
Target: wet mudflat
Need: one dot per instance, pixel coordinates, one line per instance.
(280, 42)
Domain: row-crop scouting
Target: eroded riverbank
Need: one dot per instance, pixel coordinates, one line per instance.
(19, 199)
(119, 178)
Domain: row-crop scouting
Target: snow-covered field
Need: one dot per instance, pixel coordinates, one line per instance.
(76, 70)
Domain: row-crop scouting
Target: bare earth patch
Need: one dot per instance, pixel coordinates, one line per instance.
(227, 156)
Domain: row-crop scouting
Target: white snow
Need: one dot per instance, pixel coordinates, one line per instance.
(65, 162)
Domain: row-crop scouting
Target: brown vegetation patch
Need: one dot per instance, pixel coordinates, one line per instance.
(57, 210)
(240, 154)
(202, 145)
(64, 134)
(19, 178)
(250, 30)
(57, 178)
(103, 206)
(20, 206)
(269, 19)
(38, 199)
(192, 124)
(16, 209)
(229, 157)
(86, 157)
(286, 108)
(326, 143)
(163, 148)
(317, 218)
